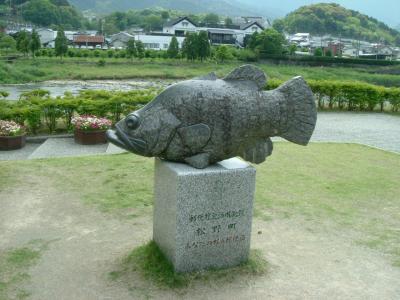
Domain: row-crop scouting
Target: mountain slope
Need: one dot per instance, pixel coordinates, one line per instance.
(385, 10)
(330, 18)
(222, 7)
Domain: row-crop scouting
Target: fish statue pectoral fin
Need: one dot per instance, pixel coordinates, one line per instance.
(199, 161)
(195, 137)
(259, 152)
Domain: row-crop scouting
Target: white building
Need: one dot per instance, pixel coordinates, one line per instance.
(234, 34)
(180, 26)
(157, 42)
(46, 36)
(301, 39)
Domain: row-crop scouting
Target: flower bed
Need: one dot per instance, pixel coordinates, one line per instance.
(12, 135)
(90, 130)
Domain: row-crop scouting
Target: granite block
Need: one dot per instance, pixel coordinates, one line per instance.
(202, 217)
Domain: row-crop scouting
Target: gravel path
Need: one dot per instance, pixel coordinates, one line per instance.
(372, 129)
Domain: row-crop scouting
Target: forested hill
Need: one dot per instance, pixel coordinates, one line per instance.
(221, 7)
(43, 12)
(330, 18)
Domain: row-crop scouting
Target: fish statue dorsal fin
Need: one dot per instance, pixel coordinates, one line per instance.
(209, 76)
(249, 72)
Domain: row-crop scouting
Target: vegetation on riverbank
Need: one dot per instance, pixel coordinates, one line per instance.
(41, 69)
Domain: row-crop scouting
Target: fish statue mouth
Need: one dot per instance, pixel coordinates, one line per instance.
(120, 139)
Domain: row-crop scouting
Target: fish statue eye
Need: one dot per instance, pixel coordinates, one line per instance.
(132, 122)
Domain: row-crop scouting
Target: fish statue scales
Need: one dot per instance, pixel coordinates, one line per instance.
(206, 120)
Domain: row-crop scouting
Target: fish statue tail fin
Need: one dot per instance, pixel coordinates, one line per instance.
(301, 112)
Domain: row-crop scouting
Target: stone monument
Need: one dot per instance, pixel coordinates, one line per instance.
(203, 195)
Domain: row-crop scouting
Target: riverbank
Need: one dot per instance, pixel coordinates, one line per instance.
(42, 69)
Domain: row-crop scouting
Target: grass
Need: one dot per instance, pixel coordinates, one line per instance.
(149, 262)
(350, 187)
(28, 70)
(14, 264)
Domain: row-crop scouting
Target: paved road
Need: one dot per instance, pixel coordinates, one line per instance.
(372, 129)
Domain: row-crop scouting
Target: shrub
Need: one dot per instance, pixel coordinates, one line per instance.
(71, 53)
(248, 55)
(10, 128)
(101, 62)
(4, 94)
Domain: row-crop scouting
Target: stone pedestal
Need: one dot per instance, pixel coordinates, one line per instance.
(202, 218)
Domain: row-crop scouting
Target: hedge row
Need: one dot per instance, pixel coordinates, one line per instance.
(37, 108)
(350, 95)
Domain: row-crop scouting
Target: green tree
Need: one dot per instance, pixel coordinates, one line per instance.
(228, 21)
(318, 52)
(211, 19)
(165, 15)
(51, 12)
(131, 48)
(140, 49)
(222, 53)
(61, 43)
(270, 42)
(203, 47)
(7, 43)
(189, 47)
(173, 49)
(34, 43)
(292, 49)
(279, 25)
(153, 22)
(23, 42)
(250, 41)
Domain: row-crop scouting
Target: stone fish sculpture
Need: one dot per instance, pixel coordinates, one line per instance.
(206, 120)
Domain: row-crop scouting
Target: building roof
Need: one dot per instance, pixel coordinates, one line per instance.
(176, 21)
(249, 24)
(88, 38)
(221, 31)
(123, 33)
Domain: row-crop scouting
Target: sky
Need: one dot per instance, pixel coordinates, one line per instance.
(387, 11)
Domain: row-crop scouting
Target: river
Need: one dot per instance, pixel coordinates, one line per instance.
(59, 87)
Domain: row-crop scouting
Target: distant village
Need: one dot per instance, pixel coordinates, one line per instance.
(221, 34)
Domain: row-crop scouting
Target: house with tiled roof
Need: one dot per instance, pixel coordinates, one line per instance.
(88, 41)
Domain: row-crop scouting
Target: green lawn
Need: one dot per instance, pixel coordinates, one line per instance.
(26, 70)
(343, 185)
